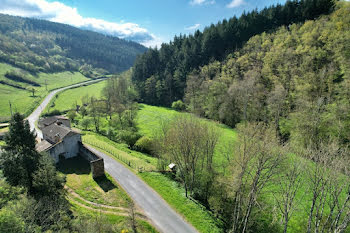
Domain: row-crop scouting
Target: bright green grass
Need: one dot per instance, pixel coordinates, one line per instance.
(22, 100)
(151, 118)
(68, 98)
(175, 197)
(133, 159)
(103, 190)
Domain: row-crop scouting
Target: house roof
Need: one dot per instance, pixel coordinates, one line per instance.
(50, 120)
(54, 130)
(43, 146)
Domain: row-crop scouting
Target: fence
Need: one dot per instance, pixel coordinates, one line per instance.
(132, 164)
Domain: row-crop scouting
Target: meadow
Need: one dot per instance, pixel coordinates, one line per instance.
(22, 100)
(67, 99)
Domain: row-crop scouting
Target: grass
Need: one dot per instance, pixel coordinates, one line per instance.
(71, 97)
(151, 118)
(174, 195)
(120, 221)
(121, 152)
(101, 191)
(22, 100)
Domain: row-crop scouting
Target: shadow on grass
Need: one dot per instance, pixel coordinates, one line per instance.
(105, 183)
(76, 165)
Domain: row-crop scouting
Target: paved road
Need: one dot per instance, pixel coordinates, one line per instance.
(32, 118)
(162, 215)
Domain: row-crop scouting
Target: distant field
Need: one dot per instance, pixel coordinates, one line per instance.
(22, 100)
(151, 118)
(66, 99)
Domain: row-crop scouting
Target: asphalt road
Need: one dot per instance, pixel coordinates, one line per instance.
(165, 219)
(32, 118)
(163, 216)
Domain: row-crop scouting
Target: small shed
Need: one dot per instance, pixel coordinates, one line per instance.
(172, 167)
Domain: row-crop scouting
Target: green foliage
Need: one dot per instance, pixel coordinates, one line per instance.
(10, 222)
(20, 160)
(46, 181)
(161, 74)
(144, 144)
(178, 105)
(38, 45)
(127, 136)
(71, 115)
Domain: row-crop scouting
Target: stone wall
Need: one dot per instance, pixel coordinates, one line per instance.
(96, 162)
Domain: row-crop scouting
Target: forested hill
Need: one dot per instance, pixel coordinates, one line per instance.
(38, 45)
(161, 74)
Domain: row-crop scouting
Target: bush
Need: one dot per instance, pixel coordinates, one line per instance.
(178, 105)
(144, 145)
(10, 222)
(54, 112)
(128, 137)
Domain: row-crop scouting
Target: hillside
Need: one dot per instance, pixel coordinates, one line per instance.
(161, 74)
(38, 45)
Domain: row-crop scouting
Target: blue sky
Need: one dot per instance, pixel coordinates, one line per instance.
(149, 22)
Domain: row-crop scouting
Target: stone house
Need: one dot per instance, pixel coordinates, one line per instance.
(62, 142)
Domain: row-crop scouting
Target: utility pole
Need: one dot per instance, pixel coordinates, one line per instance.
(10, 107)
(46, 84)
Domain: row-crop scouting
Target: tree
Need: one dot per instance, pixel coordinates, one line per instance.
(257, 159)
(190, 144)
(85, 123)
(289, 184)
(327, 185)
(20, 159)
(46, 181)
(71, 115)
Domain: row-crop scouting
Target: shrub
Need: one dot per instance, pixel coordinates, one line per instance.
(54, 112)
(144, 145)
(128, 137)
(178, 105)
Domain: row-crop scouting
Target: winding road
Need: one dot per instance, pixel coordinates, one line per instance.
(165, 219)
(34, 116)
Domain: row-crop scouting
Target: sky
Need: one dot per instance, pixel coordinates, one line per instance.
(149, 22)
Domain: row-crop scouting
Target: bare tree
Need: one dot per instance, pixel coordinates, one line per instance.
(258, 156)
(289, 184)
(329, 187)
(190, 143)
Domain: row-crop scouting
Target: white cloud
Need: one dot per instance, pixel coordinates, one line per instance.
(61, 13)
(202, 2)
(194, 27)
(235, 3)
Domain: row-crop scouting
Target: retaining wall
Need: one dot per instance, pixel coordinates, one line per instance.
(96, 162)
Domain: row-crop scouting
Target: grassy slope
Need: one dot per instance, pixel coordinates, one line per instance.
(150, 119)
(65, 100)
(22, 100)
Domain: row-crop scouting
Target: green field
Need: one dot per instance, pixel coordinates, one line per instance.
(22, 100)
(68, 98)
(151, 118)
